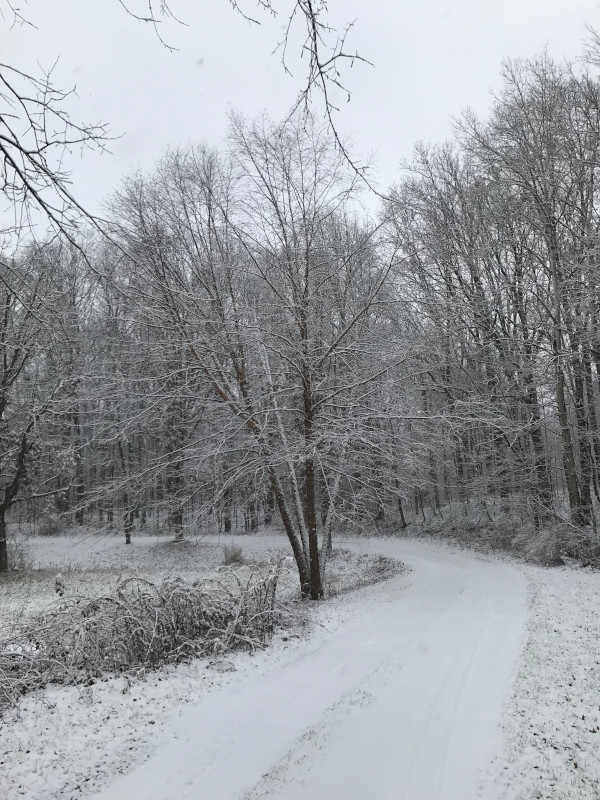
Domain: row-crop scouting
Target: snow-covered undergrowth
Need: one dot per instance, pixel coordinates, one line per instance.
(67, 741)
(496, 527)
(71, 741)
(91, 565)
(141, 625)
(552, 721)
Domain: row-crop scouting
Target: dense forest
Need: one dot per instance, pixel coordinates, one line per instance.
(245, 345)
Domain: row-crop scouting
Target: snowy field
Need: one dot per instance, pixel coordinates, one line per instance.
(432, 683)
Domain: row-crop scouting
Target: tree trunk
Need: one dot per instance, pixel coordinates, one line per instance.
(583, 438)
(400, 508)
(269, 506)
(568, 456)
(127, 519)
(593, 423)
(294, 539)
(79, 479)
(174, 490)
(175, 524)
(316, 585)
(3, 542)
(543, 486)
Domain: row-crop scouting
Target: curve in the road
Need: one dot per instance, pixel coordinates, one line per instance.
(401, 702)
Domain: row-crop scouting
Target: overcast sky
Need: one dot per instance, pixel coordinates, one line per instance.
(432, 58)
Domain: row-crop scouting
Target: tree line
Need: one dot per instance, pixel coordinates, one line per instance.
(245, 345)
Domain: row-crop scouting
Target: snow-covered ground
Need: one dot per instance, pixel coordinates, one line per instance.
(89, 565)
(398, 693)
(552, 720)
(72, 740)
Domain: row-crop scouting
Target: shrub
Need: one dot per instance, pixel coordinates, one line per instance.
(140, 625)
(19, 554)
(51, 525)
(232, 555)
(543, 547)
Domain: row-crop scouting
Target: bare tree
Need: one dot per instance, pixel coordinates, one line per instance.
(500, 233)
(31, 382)
(257, 266)
(35, 134)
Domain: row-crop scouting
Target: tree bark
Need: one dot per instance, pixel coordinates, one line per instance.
(568, 455)
(3, 542)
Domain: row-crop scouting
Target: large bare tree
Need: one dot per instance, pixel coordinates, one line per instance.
(256, 263)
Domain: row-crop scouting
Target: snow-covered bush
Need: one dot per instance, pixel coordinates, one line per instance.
(543, 547)
(348, 571)
(19, 555)
(508, 526)
(140, 625)
(232, 554)
(51, 524)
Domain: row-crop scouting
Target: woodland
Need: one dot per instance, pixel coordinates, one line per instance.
(244, 344)
(264, 377)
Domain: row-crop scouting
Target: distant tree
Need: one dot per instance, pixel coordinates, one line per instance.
(543, 141)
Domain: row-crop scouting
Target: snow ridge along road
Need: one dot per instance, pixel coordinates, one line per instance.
(401, 701)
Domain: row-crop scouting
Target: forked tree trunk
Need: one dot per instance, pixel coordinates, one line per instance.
(294, 538)
(310, 498)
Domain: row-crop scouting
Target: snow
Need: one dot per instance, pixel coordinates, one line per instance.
(69, 742)
(90, 565)
(398, 693)
(402, 699)
(552, 720)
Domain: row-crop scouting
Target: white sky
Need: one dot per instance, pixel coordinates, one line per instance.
(431, 58)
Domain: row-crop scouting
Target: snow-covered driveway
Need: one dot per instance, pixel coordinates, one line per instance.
(403, 700)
